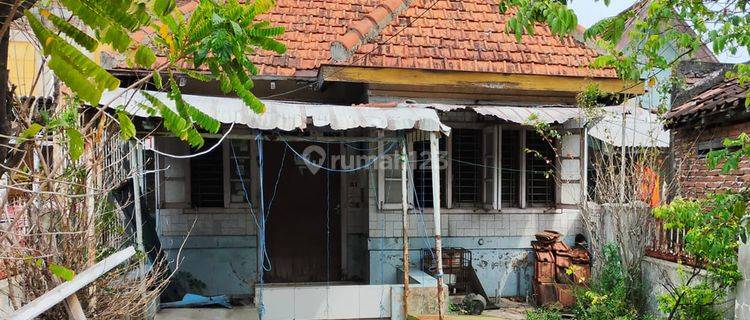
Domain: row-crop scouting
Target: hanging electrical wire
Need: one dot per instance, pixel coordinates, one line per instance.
(365, 166)
(174, 156)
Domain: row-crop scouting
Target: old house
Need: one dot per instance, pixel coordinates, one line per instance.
(706, 114)
(708, 110)
(360, 78)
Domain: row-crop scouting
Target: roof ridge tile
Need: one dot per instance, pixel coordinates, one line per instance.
(367, 28)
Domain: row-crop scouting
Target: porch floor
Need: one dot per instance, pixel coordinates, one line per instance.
(236, 313)
(510, 310)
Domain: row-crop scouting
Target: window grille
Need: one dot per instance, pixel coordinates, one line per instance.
(467, 169)
(207, 177)
(540, 159)
(510, 163)
(490, 167)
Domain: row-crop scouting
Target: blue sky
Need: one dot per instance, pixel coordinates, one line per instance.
(590, 11)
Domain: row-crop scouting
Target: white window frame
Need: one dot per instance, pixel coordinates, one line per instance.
(491, 163)
(522, 165)
(382, 204)
(229, 166)
(226, 180)
(495, 205)
(447, 188)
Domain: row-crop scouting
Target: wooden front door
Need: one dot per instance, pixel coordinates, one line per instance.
(303, 230)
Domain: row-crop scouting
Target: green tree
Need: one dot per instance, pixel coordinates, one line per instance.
(66, 201)
(716, 224)
(219, 36)
(724, 25)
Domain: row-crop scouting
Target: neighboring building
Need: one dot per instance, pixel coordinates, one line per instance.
(711, 109)
(658, 95)
(24, 63)
(402, 69)
(642, 126)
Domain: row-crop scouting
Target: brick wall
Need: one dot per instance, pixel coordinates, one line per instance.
(693, 178)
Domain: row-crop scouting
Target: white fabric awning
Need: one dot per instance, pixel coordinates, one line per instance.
(289, 116)
(642, 128)
(516, 114)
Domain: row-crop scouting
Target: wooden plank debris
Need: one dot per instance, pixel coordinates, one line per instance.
(65, 290)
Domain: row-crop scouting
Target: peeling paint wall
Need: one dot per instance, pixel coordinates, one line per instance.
(657, 273)
(219, 256)
(221, 251)
(500, 243)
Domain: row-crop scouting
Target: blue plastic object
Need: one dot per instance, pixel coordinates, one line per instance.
(193, 300)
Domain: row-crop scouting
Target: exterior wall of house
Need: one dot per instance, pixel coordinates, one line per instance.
(219, 255)
(500, 243)
(499, 240)
(694, 179)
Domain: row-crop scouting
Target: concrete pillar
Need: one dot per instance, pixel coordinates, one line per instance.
(742, 301)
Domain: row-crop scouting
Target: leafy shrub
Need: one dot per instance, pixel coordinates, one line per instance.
(543, 314)
(692, 302)
(606, 298)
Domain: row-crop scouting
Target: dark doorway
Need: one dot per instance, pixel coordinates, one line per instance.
(303, 230)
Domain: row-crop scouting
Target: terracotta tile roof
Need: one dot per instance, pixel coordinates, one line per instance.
(726, 94)
(467, 35)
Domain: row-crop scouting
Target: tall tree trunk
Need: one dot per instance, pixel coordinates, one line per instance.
(5, 112)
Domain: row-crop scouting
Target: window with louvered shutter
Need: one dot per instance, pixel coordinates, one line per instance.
(207, 177)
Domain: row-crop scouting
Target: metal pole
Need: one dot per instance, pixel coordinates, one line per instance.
(261, 227)
(435, 169)
(622, 157)
(135, 164)
(405, 232)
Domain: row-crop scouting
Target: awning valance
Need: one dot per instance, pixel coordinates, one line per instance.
(288, 116)
(516, 114)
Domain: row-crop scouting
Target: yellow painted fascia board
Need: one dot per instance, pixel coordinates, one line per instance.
(500, 81)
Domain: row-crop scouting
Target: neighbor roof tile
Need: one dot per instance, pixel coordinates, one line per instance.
(725, 94)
